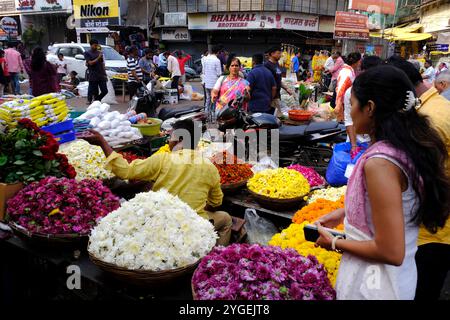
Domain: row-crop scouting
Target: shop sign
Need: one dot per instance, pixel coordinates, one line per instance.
(175, 19)
(42, 5)
(438, 47)
(25, 5)
(7, 5)
(96, 14)
(374, 6)
(175, 34)
(264, 20)
(350, 25)
(9, 28)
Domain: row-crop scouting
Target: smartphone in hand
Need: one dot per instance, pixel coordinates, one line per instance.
(312, 233)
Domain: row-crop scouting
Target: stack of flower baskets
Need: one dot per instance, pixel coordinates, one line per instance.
(60, 210)
(234, 173)
(254, 272)
(152, 239)
(279, 189)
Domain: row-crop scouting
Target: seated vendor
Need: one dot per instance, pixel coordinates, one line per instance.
(72, 83)
(183, 172)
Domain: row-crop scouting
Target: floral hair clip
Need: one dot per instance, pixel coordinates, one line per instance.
(410, 101)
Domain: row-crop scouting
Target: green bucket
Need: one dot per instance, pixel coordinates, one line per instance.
(149, 129)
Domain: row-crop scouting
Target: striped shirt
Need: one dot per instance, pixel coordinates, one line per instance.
(211, 70)
(132, 64)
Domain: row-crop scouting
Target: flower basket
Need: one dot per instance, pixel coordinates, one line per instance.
(7, 191)
(50, 240)
(233, 187)
(277, 204)
(146, 278)
(300, 115)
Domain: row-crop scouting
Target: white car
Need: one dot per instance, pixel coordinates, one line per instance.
(74, 55)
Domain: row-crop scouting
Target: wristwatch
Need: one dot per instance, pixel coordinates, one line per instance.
(333, 244)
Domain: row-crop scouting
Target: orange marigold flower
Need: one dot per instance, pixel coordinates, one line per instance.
(317, 209)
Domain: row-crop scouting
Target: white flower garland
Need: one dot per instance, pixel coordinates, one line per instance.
(153, 231)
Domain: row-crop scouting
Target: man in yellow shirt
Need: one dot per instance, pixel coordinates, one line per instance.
(433, 254)
(183, 172)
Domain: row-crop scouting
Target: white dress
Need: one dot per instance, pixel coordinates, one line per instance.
(360, 279)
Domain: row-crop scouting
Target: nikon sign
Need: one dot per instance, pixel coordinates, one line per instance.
(96, 14)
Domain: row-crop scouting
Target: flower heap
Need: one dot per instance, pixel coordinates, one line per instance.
(317, 209)
(231, 169)
(29, 154)
(293, 237)
(154, 231)
(314, 179)
(332, 194)
(61, 205)
(279, 183)
(254, 272)
(89, 161)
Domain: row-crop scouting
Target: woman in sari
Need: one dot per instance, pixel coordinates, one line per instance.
(230, 86)
(399, 183)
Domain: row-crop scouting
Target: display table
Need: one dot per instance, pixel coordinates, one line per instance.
(29, 271)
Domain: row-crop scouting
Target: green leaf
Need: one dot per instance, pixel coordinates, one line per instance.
(19, 173)
(37, 153)
(48, 165)
(3, 160)
(20, 144)
(19, 162)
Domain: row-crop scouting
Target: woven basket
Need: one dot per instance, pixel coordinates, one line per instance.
(144, 277)
(233, 187)
(50, 240)
(277, 204)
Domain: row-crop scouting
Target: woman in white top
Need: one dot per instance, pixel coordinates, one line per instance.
(398, 183)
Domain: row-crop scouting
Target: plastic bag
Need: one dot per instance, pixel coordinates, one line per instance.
(83, 89)
(259, 230)
(110, 97)
(263, 164)
(339, 161)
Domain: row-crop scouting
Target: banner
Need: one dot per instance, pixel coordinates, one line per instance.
(257, 20)
(7, 6)
(175, 34)
(9, 28)
(376, 6)
(350, 25)
(96, 14)
(26, 6)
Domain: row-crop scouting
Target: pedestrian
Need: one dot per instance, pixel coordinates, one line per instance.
(223, 57)
(202, 75)
(15, 66)
(43, 78)
(263, 87)
(328, 67)
(212, 70)
(135, 75)
(156, 57)
(442, 84)
(429, 74)
(295, 64)
(397, 184)
(61, 65)
(4, 76)
(182, 58)
(147, 66)
(96, 72)
(344, 81)
(162, 65)
(174, 69)
(441, 68)
(433, 254)
(272, 64)
(338, 65)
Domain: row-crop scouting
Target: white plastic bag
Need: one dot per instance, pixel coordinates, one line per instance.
(259, 230)
(110, 97)
(263, 164)
(83, 89)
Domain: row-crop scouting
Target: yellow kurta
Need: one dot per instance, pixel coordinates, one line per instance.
(185, 173)
(437, 109)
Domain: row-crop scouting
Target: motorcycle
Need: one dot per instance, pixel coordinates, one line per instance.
(309, 145)
(147, 99)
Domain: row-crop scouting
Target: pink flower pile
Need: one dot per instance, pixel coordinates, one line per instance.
(61, 205)
(254, 272)
(314, 179)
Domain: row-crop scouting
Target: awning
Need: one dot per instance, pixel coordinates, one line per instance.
(405, 33)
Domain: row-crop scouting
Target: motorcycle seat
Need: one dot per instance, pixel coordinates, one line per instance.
(316, 127)
(291, 132)
(167, 113)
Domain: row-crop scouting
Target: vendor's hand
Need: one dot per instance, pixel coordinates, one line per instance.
(333, 219)
(93, 137)
(325, 240)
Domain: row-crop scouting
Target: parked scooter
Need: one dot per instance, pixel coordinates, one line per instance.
(147, 99)
(309, 145)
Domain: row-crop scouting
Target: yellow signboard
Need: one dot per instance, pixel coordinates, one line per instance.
(92, 9)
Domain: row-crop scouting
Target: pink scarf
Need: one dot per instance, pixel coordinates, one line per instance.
(355, 199)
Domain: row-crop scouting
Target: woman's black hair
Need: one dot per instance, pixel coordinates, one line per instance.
(353, 58)
(370, 62)
(387, 87)
(232, 57)
(38, 59)
(2, 53)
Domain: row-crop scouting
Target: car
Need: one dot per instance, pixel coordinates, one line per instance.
(73, 53)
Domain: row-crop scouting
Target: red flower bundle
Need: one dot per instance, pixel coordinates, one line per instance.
(231, 169)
